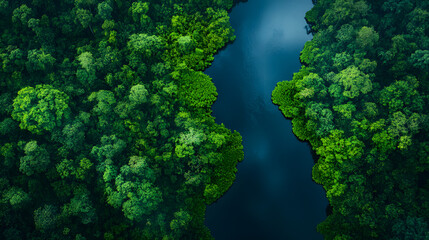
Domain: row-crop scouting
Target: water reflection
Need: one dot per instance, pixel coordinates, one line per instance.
(274, 196)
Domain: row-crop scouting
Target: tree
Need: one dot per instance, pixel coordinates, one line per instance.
(73, 135)
(86, 75)
(147, 46)
(138, 94)
(105, 103)
(84, 17)
(139, 10)
(71, 168)
(46, 218)
(342, 60)
(8, 153)
(142, 201)
(345, 110)
(110, 147)
(191, 137)
(420, 59)
(342, 11)
(224, 167)
(104, 10)
(367, 37)
(36, 159)
(284, 96)
(41, 109)
(336, 150)
(196, 89)
(39, 60)
(354, 82)
(7, 126)
(22, 14)
(139, 167)
(86, 60)
(311, 86)
(134, 189)
(17, 198)
(345, 34)
(401, 95)
(320, 119)
(186, 44)
(81, 206)
(411, 228)
(3, 5)
(180, 221)
(370, 109)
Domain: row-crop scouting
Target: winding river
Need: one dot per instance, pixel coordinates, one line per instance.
(274, 196)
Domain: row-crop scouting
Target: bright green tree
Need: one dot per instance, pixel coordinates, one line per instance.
(40, 109)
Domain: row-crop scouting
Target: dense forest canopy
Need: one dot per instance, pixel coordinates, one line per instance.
(105, 120)
(361, 100)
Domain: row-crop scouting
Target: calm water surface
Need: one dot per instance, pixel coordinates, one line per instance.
(273, 196)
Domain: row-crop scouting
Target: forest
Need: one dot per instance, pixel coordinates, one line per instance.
(106, 128)
(105, 120)
(360, 99)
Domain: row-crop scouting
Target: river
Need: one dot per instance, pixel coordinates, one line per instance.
(274, 196)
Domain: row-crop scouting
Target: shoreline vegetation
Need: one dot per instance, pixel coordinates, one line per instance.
(105, 120)
(360, 100)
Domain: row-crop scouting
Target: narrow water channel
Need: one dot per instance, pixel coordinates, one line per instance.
(273, 196)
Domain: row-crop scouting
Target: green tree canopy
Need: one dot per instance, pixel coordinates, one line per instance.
(40, 109)
(36, 159)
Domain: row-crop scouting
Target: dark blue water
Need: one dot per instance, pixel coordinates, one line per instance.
(273, 196)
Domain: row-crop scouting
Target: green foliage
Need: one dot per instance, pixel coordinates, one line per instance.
(410, 228)
(346, 110)
(367, 37)
(78, 169)
(40, 109)
(354, 82)
(21, 14)
(193, 39)
(186, 44)
(110, 147)
(8, 154)
(17, 198)
(73, 135)
(86, 60)
(39, 60)
(143, 202)
(283, 95)
(80, 206)
(138, 94)
(36, 159)
(196, 89)
(139, 10)
(105, 119)
(7, 126)
(180, 221)
(147, 46)
(359, 100)
(105, 104)
(84, 17)
(420, 59)
(46, 218)
(104, 10)
(3, 5)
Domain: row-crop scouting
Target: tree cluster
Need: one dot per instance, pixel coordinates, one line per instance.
(361, 100)
(105, 120)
